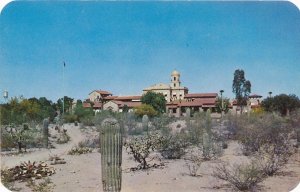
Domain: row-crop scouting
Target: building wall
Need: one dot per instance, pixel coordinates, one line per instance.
(177, 94)
(111, 106)
(93, 96)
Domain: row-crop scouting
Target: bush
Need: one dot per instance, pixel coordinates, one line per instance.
(145, 109)
(173, 147)
(193, 164)
(141, 147)
(93, 142)
(243, 177)
(70, 118)
(271, 159)
(79, 150)
(21, 137)
(63, 138)
(256, 131)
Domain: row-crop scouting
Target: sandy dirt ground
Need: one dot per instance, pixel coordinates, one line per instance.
(82, 173)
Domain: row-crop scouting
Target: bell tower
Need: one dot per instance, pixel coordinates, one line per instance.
(175, 79)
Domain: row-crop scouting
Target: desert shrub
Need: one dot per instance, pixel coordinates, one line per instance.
(294, 123)
(27, 170)
(22, 136)
(141, 147)
(193, 164)
(45, 186)
(256, 131)
(272, 158)
(242, 177)
(70, 118)
(211, 150)
(87, 120)
(173, 146)
(92, 142)
(63, 138)
(162, 121)
(77, 150)
(231, 124)
(7, 178)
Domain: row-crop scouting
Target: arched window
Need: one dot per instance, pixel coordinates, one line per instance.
(174, 78)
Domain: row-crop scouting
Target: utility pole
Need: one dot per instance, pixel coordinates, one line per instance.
(63, 111)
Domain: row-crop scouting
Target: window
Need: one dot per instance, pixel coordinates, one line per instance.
(174, 78)
(174, 110)
(174, 85)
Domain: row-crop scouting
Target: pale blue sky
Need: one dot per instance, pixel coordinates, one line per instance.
(124, 47)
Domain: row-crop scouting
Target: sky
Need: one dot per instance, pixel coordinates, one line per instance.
(124, 47)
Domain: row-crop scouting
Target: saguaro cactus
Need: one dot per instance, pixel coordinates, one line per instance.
(207, 143)
(145, 121)
(111, 155)
(45, 132)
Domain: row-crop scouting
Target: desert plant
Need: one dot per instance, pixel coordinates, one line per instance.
(18, 134)
(63, 137)
(111, 154)
(242, 177)
(145, 122)
(193, 164)
(45, 186)
(173, 146)
(210, 147)
(141, 147)
(28, 170)
(257, 131)
(272, 158)
(79, 150)
(91, 142)
(45, 132)
(7, 178)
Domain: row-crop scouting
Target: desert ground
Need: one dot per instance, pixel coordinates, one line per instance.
(83, 172)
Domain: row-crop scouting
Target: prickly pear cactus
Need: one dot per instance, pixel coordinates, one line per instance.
(45, 132)
(111, 155)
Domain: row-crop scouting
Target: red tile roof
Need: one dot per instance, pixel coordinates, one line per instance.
(97, 105)
(198, 102)
(102, 92)
(133, 97)
(200, 95)
(86, 105)
(110, 97)
(129, 104)
(132, 104)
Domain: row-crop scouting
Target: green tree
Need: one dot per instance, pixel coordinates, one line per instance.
(156, 100)
(67, 105)
(226, 104)
(241, 88)
(145, 109)
(284, 104)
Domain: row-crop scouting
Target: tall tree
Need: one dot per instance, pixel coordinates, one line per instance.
(284, 104)
(156, 100)
(241, 88)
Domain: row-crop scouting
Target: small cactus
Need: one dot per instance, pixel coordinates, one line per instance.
(207, 141)
(145, 121)
(111, 155)
(188, 112)
(45, 132)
